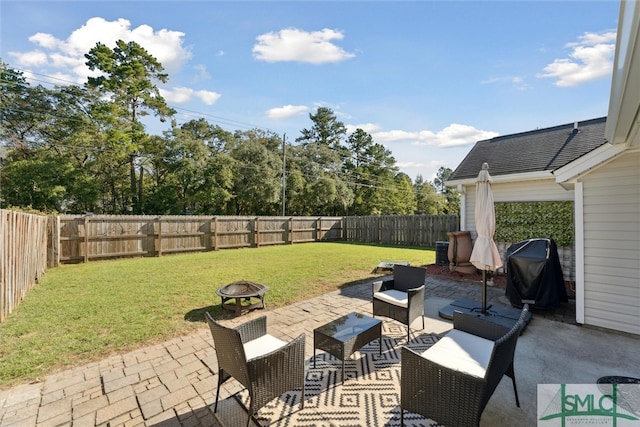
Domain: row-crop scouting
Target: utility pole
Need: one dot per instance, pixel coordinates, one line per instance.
(284, 170)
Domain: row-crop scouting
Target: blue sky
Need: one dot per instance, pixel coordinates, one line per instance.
(427, 79)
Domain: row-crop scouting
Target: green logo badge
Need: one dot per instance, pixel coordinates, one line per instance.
(616, 405)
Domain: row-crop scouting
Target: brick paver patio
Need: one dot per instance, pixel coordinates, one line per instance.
(173, 383)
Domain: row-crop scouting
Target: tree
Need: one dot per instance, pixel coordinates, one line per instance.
(296, 181)
(49, 136)
(428, 200)
(442, 176)
(23, 110)
(324, 155)
(257, 173)
(451, 195)
(189, 171)
(370, 169)
(127, 75)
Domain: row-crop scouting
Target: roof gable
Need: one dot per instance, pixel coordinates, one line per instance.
(534, 151)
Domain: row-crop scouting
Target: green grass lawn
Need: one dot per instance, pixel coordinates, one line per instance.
(84, 312)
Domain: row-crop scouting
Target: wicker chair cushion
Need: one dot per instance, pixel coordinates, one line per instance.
(262, 345)
(394, 297)
(462, 352)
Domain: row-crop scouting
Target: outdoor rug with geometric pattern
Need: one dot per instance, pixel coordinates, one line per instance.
(369, 396)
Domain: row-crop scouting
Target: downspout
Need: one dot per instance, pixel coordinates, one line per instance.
(463, 207)
(579, 243)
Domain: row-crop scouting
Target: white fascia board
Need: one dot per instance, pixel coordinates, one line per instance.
(623, 118)
(587, 162)
(513, 177)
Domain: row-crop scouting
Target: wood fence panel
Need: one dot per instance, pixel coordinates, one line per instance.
(303, 229)
(271, 230)
(331, 228)
(71, 232)
(234, 232)
(182, 234)
(91, 237)
(413, 230)
(23, 256)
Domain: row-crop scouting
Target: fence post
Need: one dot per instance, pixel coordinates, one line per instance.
(53, 237)
(86, 239)
(215, 233)
(256, 235)
(159, 240)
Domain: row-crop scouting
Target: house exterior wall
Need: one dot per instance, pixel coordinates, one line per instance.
(523, 191)
(611, 209)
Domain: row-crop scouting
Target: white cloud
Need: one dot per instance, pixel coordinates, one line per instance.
(291, 44)
(202, 73)
(517, 82)
(287, 111)
(44, 40)
(591, 58)
(68, 54)
(421, 165)
(207, 96)
(367, 127)
(454, 135)
(182, 95)
(34, 58)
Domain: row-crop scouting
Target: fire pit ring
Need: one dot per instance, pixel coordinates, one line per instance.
(235, 293)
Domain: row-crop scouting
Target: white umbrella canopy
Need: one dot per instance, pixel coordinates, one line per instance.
(485, 255)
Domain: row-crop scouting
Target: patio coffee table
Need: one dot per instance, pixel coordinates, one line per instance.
(346, 335)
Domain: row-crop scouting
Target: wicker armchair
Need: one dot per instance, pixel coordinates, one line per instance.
(401, 298)
(265, 365)
(452, 381)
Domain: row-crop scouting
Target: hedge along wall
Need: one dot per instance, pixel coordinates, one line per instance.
(517, 221)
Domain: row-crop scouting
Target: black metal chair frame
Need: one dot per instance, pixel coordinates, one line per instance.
(405, 279)
(266, 376)
(455, 398)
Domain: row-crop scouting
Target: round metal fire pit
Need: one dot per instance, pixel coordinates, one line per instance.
(237, 296)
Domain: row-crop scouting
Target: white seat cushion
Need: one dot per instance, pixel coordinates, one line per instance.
(263, 345)
(394, 297)
(462, 352)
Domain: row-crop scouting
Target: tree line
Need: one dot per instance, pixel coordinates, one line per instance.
(72, 149)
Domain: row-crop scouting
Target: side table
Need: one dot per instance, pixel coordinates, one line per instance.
(346, 335)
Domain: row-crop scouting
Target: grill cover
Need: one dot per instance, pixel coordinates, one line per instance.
(534, 274)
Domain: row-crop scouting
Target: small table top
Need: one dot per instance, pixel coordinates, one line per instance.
(388, 266)
(348, 326)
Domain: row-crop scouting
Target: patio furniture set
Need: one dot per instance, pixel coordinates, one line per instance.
(451, 382)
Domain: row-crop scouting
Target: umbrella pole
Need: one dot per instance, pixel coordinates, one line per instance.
(484, 291)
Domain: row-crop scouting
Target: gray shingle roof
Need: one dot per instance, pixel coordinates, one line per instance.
(534, 151)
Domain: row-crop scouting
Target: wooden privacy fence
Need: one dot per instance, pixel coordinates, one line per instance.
(31, 243)
(23, 256)
(92, 237)
(414, 230)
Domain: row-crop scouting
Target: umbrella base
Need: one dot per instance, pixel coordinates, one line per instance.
(504, 316)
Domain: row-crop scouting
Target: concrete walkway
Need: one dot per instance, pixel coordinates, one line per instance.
(173, 383)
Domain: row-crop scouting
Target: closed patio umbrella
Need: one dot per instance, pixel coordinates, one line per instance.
(485, 255)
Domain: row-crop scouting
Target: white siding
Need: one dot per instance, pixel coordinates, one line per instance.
(612, 245)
